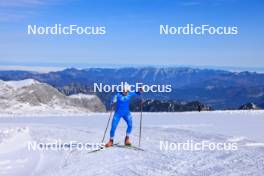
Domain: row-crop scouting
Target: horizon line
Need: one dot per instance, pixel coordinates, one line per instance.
(46, 68)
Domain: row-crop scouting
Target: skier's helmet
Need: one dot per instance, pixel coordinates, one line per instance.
(126, 87)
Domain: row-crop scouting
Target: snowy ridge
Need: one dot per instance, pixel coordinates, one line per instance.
(20, 84)
(27, 97)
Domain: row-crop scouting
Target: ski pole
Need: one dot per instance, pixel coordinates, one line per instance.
(140, 124)
(106, 128)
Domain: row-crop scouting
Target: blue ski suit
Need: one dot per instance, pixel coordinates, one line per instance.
(122, 110)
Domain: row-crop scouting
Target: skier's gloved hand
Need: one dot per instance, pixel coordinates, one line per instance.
(139, 91)
(112, 105)
(113, 101)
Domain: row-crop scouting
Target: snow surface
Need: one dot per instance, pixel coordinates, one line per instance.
(80, 96)
(243, 127)
(25, 109)
(21, 83)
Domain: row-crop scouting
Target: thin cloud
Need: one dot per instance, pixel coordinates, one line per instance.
(205, 2)
(17, 3)
(11, 17)
(16, 10)
(191, 3)
(30, 3)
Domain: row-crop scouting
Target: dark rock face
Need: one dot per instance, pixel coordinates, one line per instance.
(169, 106)
(249, 106)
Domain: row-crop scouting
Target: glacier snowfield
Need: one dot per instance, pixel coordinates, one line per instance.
(246, 128)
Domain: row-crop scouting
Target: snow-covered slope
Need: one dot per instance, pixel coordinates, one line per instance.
(91, 102)
(240, 127)
(32, 97)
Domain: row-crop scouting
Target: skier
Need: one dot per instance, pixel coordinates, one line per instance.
(122, 100)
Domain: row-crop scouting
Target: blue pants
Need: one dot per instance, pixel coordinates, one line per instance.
(117, 116)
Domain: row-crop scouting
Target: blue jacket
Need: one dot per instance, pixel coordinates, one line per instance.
(122, 101)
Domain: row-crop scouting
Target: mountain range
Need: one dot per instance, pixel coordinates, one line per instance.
(216, 88)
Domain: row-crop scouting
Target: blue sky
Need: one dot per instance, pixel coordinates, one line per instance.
(132, 33)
